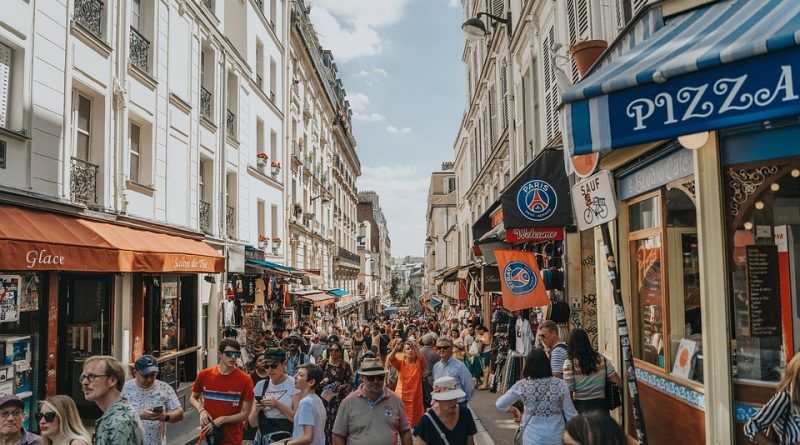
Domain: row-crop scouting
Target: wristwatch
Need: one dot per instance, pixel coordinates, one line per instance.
(166, 418)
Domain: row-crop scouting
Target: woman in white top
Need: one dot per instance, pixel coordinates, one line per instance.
(309, 418)
(546, 399)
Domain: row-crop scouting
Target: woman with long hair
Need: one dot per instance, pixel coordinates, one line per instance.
(586, 372)
(594, 428)
(336, 383)
(410, 371)
(60, 423)
(780, 411)
(545, 398)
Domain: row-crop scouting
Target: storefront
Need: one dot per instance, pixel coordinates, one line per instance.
(74, 287)
(706, 230)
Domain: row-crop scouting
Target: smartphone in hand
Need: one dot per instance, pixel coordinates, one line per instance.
(158, 409)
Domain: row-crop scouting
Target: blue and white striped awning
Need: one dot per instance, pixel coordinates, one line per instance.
(695, 73)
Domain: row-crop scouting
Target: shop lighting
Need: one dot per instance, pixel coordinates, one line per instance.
(795, 173)
(759, 205)
(748, 225)
(775, 187)
(694, 141)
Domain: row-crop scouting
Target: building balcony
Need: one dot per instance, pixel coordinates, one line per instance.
(206, 110)
(140, 48)
(230, 219)
(346, 258)
(230, 124)
(83, 181)
(205, 217)
(89, 13)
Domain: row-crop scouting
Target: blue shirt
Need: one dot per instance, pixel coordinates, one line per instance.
(457, 369)
(292, 363)
(310, 411)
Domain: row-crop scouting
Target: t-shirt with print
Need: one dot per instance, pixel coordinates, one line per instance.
(282, 393)
(587, 387)
(160, 394)
(364, 422)
(223, 395)
(310, 411)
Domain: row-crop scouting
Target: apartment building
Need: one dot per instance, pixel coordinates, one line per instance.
(441, 222)
(375, 245)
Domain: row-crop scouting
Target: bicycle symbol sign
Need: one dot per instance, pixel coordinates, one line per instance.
(593, 200)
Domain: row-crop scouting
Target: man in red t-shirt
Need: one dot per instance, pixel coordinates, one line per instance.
(227, 395)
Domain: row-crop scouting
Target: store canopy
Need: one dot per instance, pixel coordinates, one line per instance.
(434, 302)
(698, 72)
(273, 267)
(39, 240)
(316, 297)
(539, 195)
(484, 223)
(338, 293)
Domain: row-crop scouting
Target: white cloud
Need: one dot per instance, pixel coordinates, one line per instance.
(454, 3)
(394, 130)
(371, 73)
(349, 28)
(369, 117)
(358, 102)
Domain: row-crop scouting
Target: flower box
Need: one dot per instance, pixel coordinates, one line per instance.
(261, 159)
(263, 241)
(276, 168)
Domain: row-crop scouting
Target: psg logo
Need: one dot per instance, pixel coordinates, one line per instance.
(537, 200)
(519, 277)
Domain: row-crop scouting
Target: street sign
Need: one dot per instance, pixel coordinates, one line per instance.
(593, 200)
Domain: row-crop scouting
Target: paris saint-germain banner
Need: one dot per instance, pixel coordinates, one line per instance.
(520, 279)
(539, 195)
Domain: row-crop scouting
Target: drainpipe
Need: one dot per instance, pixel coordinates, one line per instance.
(120, 104)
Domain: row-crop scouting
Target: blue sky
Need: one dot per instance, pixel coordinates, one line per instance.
(400, 61)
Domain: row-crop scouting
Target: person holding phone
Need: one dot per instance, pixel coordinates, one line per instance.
(154, 400)
(273, 410)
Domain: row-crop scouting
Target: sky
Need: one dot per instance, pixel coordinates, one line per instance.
(400, 62)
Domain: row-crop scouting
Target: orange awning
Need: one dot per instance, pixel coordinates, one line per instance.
(319, 299)
(40, 240)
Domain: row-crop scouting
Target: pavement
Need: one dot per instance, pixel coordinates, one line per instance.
(494, 427)
(186, 431)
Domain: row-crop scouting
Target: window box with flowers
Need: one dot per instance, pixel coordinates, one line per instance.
(261, 159)
(276, 168)
(276, 244)
(263, 241)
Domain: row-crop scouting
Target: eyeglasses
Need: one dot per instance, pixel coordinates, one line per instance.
(9, 414)
(48, 417)
(231, 354)
(443, 348)
(374, 378)
(91, 377)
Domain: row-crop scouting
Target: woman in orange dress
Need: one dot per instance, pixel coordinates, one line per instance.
(410, 371)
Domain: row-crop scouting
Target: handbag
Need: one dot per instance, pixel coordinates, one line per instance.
(613, 392)
(438, 430)
(474, 348)
(519, 435)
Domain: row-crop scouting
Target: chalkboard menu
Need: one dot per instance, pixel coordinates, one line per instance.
(763, 289)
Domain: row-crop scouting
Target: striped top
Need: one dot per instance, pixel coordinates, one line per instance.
(778, 412)
(588, 387)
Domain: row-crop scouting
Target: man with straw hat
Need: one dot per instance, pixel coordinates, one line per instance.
(372, 414)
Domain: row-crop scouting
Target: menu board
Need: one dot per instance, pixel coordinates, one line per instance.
(763, 289)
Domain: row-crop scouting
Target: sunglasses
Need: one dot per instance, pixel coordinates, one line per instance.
(374, 378)
(48, 417)
(442, 348)
(231, 354)
(272, 365)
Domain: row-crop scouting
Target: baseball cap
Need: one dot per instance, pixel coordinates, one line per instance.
(11, 399)
(146, 364)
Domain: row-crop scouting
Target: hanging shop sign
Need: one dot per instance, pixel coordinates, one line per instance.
(539, 196)
(520, 280)
(593, 200)
(491, 279)
(534, 235)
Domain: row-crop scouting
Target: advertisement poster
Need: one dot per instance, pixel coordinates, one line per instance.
(9, 298)
(31, 289)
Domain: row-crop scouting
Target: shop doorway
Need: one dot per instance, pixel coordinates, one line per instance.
(84, 330)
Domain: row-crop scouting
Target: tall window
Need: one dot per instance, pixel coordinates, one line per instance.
(273, 81)
(261, 218)
(136, 14)
(201, 180)
(274, 220)
(5, 79)
(259, 64)
(135, 136)
(273, 145)
(82, 124)
(260, 136)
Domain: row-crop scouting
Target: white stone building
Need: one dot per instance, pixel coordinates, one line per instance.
(441, 222)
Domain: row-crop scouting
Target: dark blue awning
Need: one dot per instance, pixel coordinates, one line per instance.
(275, 267)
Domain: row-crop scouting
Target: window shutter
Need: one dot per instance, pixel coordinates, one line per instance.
(638, 5)
(550, 87)
(578, 27)
(497, 7)
(493, 114)
(5, 80)
(504, 91)
(487, 139)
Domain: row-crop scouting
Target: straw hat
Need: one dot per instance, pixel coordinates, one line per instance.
(446, 388)
(372, 366)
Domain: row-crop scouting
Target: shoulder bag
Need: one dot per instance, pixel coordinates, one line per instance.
(269, 429)
(613, 392)
(438, 430)
(519, 436)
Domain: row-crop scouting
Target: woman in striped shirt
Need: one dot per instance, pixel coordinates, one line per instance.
(782, 412)
(585, 372)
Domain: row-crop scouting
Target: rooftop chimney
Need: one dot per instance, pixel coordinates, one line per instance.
(447, 166)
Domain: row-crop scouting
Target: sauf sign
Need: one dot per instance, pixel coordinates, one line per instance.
(593, 200)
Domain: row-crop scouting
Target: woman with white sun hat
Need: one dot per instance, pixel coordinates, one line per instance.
(446, 423)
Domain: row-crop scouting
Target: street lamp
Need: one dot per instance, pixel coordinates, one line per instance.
(475, 29)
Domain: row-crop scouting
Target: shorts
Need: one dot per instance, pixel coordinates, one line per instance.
(486, 359)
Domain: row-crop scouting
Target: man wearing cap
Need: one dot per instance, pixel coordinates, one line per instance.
(295, 357)
(372, 414)
(154, 400)
(101, 381)
(12, 414)
(448, 366)
(272, 410)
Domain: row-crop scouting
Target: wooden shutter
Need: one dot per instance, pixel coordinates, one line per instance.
(504, 91)
(493, 114)
(638, 5)
(5, 81)
(497, 7)
(578, 28)
(551, 98)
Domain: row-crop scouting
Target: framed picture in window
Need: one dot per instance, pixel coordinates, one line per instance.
(684, 362)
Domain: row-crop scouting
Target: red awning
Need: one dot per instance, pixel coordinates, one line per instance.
(40, 240)
(319, 299)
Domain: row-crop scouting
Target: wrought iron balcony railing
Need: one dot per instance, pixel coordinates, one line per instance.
(230, 124)
(83, 181)
(345, 256)
(205, 104)
(89, 13)
(230, 228)
(140, 48)
(205, 217)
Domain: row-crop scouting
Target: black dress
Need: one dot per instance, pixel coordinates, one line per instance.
(465, 427)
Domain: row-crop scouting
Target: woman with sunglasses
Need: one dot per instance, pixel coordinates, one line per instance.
(60, 423)
(410, 371)
(273, 409)
(336, 383)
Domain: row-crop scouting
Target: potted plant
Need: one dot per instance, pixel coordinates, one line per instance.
(262, 159)
(262, 242)
(276, 168)
(276, 243)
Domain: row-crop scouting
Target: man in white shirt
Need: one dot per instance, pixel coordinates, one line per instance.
(154, 400)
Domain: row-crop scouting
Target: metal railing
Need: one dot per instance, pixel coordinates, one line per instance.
(230, 228)
(83, 181)
(345, 256)
(205, 104)
(140, 48)
(230, 124)
(89, 13)
(205, 217)
(209, 4)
